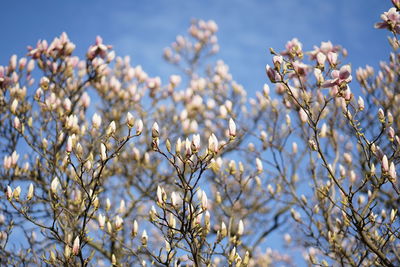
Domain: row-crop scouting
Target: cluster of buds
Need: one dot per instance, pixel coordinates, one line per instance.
(10, 161)
(98, 49)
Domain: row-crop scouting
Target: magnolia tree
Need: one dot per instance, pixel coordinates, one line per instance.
(103, 164)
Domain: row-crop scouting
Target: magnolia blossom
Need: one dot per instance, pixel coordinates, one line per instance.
(139, 127)
(155, 130)
(340, 78)
(390, 20)
(96, 121)
(30, 192)
(54, 185)
(213, 143)
(232, 128)
(76, 246)
(103, 152)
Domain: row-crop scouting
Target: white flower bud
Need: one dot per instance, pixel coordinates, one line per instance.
(54, 185)
(259, 165)
(103, 152)
(96, 121)
(17, 192)
(232, 128)
(155, 130)
(139, 127)
(130, 121)
(144, 238)
(111, 128)
(30, 192)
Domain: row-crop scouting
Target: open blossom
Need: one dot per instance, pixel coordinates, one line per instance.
(293, 48)
(340, 78)
(390, 21)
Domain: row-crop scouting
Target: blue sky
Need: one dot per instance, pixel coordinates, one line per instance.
(247, 28)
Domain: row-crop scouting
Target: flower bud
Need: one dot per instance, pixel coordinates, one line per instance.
(213, 144)
(76, 246)
(54, 185)
(69, 145)
(103, 152)
(385, 164)
(30, 192)
(96, 121)
(102, 221)
(14, 106)
(135, 228)
(155, 130)
(17, 192)
(118, 223)
(259, 165)
(232, 128)
(144, 238)
(360, 103)
(240, 229)
(381, 116)
(139, 127)
(392, 172)
(111, 128)
(9, 193)
(130, 121)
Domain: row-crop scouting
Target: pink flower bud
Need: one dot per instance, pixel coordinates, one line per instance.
(392, 172)
(139, 127)
(332, 58)
(7, 162)
(85, 100)
(272, 74)
(13, 63)
(17, 123)
(76, 246)
(69, 145)
(14, 158)
(195, 143)
(321, 58)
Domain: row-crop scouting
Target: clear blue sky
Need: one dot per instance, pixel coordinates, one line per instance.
(247, 28)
